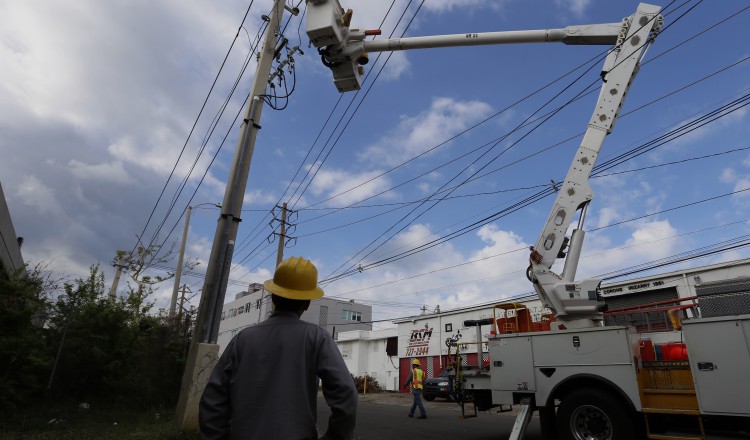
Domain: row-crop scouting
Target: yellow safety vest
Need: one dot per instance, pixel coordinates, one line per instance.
(416, 378)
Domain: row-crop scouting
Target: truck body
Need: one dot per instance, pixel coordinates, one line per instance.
(588, 381)
(656, 395)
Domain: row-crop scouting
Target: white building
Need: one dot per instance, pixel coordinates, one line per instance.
(372, 353)
(10, 244)
(255, 305)
(424, 336)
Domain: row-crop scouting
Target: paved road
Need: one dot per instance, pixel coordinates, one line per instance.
(383, 417)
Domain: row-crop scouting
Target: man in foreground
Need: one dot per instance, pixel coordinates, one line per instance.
(265, 384)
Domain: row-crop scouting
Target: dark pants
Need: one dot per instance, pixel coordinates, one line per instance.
(417, 393)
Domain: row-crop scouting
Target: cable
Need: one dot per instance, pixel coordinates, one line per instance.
(335, 128)
(331, 275)
(360, 260)
(675, 134)
(210, 132)
(680, 89)
(200, 112)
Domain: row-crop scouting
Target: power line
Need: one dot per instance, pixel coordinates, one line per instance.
(200, 112)
(660, 141)
(337, 125)
(332, 275)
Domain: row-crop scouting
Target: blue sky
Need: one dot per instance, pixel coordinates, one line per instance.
(98, 99)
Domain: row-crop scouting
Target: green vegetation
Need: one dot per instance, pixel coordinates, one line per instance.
(71, 422)
(66, 343)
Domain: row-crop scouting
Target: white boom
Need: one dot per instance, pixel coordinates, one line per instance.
(576, 303)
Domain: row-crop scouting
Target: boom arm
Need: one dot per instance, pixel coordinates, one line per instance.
(576, 304)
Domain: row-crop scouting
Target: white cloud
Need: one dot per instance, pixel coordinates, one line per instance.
(354, 186)
(737, 117)
(648, 241)
(438, 276)
(398, 65)
(33, 192)
(416, 135)
(575, 7)
(739, 179)
(109, 171)
(260, 197)
(447, 5)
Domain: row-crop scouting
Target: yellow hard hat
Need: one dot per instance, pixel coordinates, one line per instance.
(415, 362)
(295, 278)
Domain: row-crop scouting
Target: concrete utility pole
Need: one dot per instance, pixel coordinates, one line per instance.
(116, 281)
(203, 349)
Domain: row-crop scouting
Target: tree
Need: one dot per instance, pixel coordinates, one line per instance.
(24, 360)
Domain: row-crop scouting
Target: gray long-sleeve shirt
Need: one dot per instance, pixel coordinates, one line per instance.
(265, 385)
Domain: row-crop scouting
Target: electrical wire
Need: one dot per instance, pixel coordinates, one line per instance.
(331, 276)
(200, 112)
(661, 140)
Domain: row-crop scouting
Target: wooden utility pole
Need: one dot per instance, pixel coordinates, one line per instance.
(204, 351)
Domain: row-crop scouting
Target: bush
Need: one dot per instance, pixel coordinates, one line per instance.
(372, 384)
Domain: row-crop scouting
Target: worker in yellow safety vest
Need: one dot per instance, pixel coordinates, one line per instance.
(416, 378)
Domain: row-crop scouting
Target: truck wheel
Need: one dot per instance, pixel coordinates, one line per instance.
(590, 414)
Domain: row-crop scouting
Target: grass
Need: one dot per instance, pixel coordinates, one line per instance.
(70, 422)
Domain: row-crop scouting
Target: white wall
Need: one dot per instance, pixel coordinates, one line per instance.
(364, 353)
(426, 335)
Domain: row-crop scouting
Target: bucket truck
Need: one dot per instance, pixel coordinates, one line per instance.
(588, 381)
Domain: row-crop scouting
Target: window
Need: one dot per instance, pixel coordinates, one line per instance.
(448, 328)
(391, 346)
(348, 315)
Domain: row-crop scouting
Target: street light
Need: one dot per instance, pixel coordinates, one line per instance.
(178, 272)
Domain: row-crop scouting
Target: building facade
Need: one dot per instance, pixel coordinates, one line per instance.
(254, 305)
(10, 244)
(372, 353)
(424, 336)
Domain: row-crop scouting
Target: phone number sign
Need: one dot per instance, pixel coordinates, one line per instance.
(419, 342)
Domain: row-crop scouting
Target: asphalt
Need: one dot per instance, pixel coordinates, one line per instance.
(384, 416)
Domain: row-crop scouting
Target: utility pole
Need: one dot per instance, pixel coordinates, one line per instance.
(182, 300)
(282, 236)
(279, 255)
(204, 351)
(113, 290)
(180, 258)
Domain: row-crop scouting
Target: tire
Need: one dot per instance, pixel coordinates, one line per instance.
(591, 414)
(429, 397)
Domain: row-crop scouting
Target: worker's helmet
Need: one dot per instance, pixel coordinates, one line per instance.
(415, 362)
(295, 278)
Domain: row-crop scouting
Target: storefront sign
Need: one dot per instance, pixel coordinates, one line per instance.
(632, 287)
(419, 342)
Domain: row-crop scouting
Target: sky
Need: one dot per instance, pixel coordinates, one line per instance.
(109, 112)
